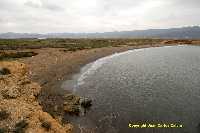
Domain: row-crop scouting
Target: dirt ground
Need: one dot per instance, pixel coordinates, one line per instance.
(19, 108)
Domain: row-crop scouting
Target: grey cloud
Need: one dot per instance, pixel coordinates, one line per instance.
(8, 5)
(95, 15)
(43, 5)
(31, 4)
(187, 3)
(117, 5)
(51, 5)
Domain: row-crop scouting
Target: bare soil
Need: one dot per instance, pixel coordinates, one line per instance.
(19, 107)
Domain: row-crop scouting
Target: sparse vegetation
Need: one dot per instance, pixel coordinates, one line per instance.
(3, 115)
(20, 111)
(11, 55)
(46, 125)
(71, 44)
(10, 93)
(20, 126)
(78, 44)
(4, 71)
(3, 130)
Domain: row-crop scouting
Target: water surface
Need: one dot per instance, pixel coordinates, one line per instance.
(150, 85)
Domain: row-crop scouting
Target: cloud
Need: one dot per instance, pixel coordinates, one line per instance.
(44, 16)
(187, 3)
(33, 4)
(43, 4)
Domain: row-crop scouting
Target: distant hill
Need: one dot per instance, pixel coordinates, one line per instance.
(173, 33)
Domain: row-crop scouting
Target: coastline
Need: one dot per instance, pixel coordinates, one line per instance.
(50, 75)
(52, 66)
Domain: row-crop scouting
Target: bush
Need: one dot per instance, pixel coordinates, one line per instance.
(46, 125)
(3, 115)
(20, 127)
(3, 130)
(4, 71)
(10, 55)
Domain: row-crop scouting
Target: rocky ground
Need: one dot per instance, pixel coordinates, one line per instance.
(19, 109)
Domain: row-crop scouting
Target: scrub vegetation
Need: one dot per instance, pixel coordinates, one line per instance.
(71, 44)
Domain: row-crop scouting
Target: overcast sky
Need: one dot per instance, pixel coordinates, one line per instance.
(43, 16)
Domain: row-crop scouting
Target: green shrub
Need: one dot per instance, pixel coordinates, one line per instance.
(46, 125)
(3, 130)
(20, 127)
(4, 115)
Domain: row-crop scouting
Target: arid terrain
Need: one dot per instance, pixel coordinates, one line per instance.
(32, 71)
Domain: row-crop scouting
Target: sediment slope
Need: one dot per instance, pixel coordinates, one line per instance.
(19, 108)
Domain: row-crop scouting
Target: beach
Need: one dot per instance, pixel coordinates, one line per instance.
(50, 67)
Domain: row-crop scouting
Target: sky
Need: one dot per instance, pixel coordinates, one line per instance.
(56, 16)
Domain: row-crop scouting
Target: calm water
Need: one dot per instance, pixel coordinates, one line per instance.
(151, 85)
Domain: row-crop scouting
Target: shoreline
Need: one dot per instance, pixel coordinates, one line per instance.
(50, 75)
(51, 80)
(50, 67)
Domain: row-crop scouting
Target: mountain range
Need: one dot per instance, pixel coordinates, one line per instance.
(192, 32)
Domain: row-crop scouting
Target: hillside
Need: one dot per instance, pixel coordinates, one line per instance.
(173, 33)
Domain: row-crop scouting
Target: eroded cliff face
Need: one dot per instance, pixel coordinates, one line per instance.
(19, 108)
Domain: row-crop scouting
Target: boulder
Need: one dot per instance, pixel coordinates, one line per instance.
(72, 109)
(68, 97)
(71, 99)
(72, 103)
(85, 102)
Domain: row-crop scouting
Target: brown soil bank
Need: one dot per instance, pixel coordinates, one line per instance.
(19, 109)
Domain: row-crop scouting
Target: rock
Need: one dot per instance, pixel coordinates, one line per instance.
(72, 109)
(85, 102)
(4, 71)
(68, 97)
(55, 108)
(11, 93)
(71, 104)
(71, 99)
